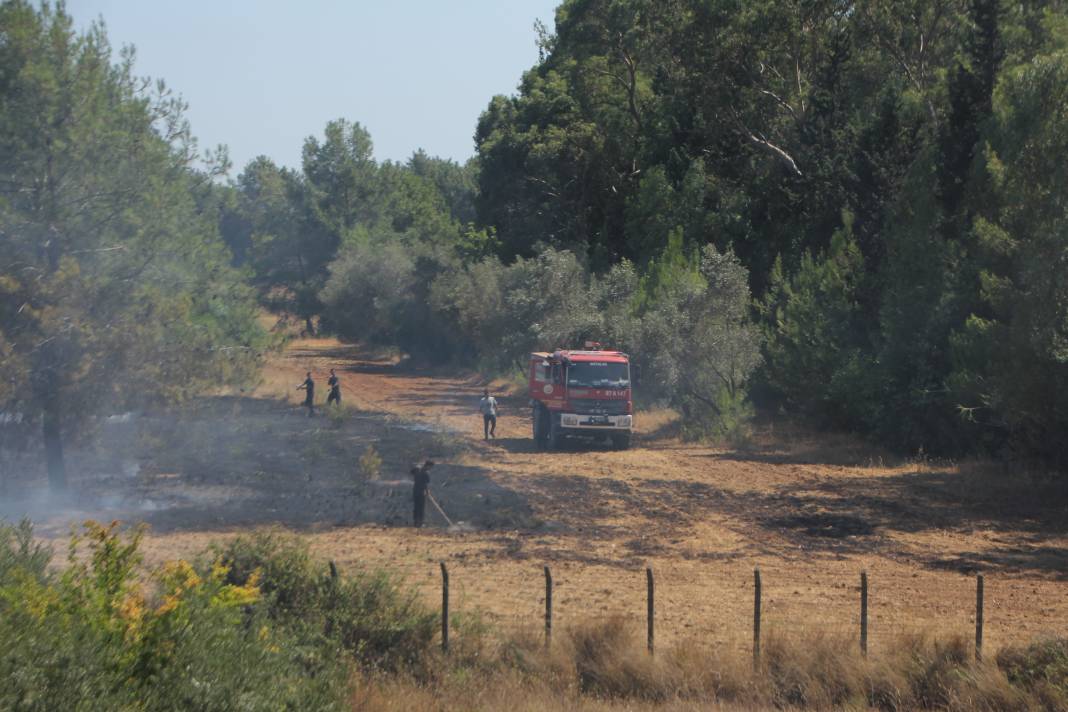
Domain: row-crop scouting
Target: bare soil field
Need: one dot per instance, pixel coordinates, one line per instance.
(811, 512)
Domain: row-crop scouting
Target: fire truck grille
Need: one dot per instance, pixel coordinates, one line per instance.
(588, 406)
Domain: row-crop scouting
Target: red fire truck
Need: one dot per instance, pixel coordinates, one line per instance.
(585, 393)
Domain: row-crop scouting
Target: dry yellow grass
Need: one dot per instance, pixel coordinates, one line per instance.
(604, 667)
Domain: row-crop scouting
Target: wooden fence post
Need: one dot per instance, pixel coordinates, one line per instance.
(444, 608)
(979, 617)
(548, 607)
(864, 613)
(756, 618)
(649, 606)
(333, 584)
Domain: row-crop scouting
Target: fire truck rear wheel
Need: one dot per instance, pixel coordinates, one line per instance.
(621, 441)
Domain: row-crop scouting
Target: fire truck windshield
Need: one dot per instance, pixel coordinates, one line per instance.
(598, 374)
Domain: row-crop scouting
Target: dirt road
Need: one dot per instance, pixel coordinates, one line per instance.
(811, 513)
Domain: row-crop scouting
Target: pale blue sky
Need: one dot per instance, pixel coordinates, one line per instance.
(260, 76)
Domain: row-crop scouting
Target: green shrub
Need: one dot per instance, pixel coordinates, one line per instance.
(684, 321)
(19, 552)
(724, 416)
(368, 614)
(507, 311)
(816, 335)
(698, 348)
(445, 440)
(1041, 667)
(370, 463)
(336, 415)
(283, 565)
(92, 639)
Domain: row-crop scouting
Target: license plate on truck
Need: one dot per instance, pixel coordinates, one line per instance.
(598, 420)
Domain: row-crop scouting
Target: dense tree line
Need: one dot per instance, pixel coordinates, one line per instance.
(853, 212)
(888, 173)
(394, 254)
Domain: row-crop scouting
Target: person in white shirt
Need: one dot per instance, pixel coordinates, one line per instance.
(488, 407)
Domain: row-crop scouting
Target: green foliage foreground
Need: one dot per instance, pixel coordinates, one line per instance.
(254, 626)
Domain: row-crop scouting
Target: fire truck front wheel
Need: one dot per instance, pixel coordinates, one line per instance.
(556, 435)
(621, 441)
(538, 425)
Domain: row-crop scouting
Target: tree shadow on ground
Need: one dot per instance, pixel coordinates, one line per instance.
(949, 499)
(594, 443)
(805, 454)
(358, 359)
(809, 518)
(512, 445)
(462, 402)
(864, 512)
(667, 431)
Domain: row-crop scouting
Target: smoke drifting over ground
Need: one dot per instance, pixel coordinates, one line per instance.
(235, 462)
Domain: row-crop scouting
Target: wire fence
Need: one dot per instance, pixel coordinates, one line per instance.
(740, 612)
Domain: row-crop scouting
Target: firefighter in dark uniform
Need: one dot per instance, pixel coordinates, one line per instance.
(335, 389)
(421, 476)
(309, 393)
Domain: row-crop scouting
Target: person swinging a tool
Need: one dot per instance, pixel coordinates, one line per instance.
(309, 393)
(420, 487)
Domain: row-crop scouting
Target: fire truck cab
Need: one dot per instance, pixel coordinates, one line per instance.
(584, 393)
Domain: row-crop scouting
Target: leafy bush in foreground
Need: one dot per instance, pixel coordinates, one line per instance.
(256, 625)
(94, 638)
(19, 552)
(1041, 668)
(368, 614)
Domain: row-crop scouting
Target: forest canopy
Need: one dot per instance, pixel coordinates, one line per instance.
(888, 174)
(848, 212)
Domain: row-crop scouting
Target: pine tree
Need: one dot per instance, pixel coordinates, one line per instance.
(115, 290)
